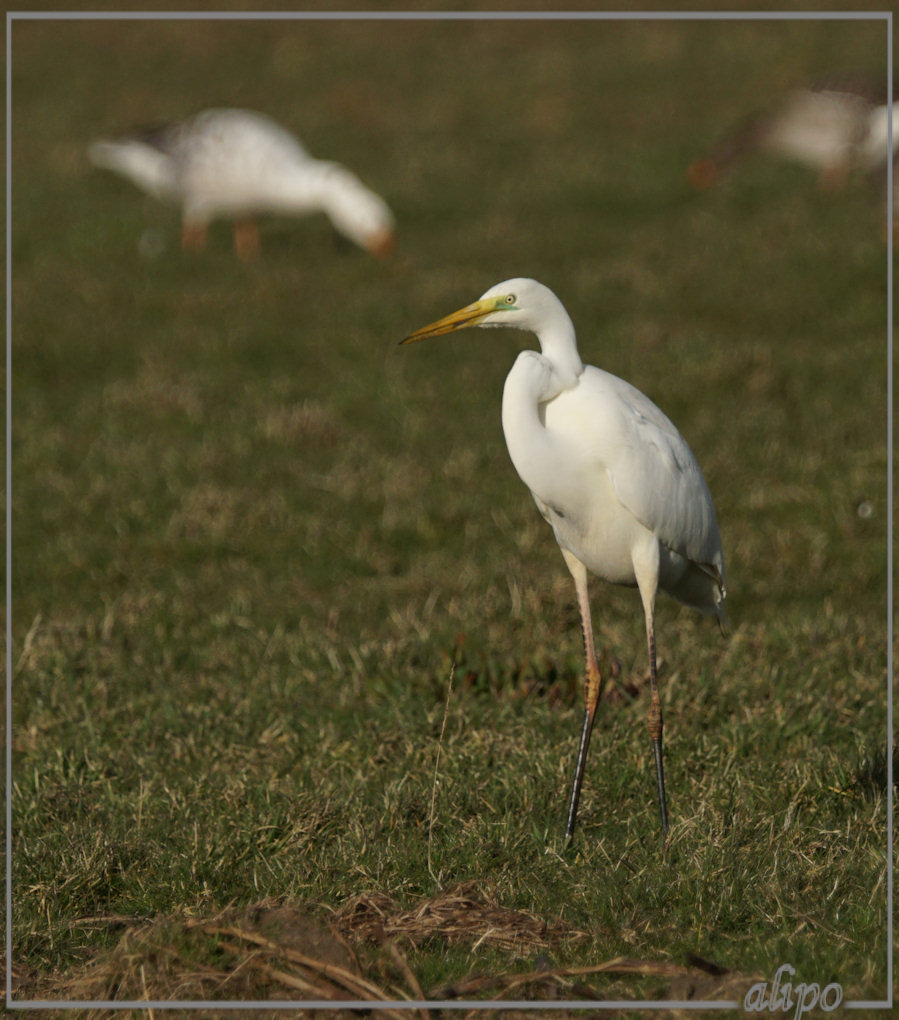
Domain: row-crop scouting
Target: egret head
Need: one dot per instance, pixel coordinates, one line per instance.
(519, 303)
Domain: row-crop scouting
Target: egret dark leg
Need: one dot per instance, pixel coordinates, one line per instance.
(580, 765)
(654, 724)
(592, 687)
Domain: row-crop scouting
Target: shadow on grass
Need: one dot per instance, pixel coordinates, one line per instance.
(870, 777)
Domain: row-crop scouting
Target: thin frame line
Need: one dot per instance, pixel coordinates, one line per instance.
(8, 506)
(557, 16)
(449, 15)
(890, 237)
(367, 1004)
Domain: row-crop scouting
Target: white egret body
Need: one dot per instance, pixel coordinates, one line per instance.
(234, 164)
(611, 474)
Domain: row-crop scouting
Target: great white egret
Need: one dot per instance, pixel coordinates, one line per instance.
(614, 478)
(836, 125)
(235, 163)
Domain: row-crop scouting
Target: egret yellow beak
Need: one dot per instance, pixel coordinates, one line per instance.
(470, 315)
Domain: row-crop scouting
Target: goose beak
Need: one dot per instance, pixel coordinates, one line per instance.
(470, 315)
(382, 245)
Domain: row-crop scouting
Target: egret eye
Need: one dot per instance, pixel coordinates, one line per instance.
(510, 299)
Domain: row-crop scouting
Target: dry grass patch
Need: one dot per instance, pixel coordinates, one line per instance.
(301, 423)
(460, 914)
(288, 952)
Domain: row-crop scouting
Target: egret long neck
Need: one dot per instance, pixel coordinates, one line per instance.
(546, 461)
(559, 344)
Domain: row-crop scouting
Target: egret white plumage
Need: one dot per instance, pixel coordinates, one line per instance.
(234, 164)
(611, 474)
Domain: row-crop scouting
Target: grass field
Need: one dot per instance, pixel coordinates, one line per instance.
(254, 539)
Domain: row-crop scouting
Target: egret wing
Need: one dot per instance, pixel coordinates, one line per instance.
(655, 475)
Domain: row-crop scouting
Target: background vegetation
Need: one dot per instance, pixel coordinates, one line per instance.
(253, 539)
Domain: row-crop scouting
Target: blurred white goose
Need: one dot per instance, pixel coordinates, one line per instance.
(879, 171)
(610, 473)
(234, 164)
(835, 126)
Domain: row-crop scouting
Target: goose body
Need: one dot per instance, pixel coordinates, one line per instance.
(835, 126)
(233, 164)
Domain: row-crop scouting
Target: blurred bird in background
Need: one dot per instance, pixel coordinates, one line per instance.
(838, 125)
(233, 164)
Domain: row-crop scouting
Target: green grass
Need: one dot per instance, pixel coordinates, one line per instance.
(251, 535)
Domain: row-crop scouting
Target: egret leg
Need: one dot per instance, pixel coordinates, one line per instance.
(654, 723)
(246, 240)
(646, 568)
(193, 235)
(592, 686)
